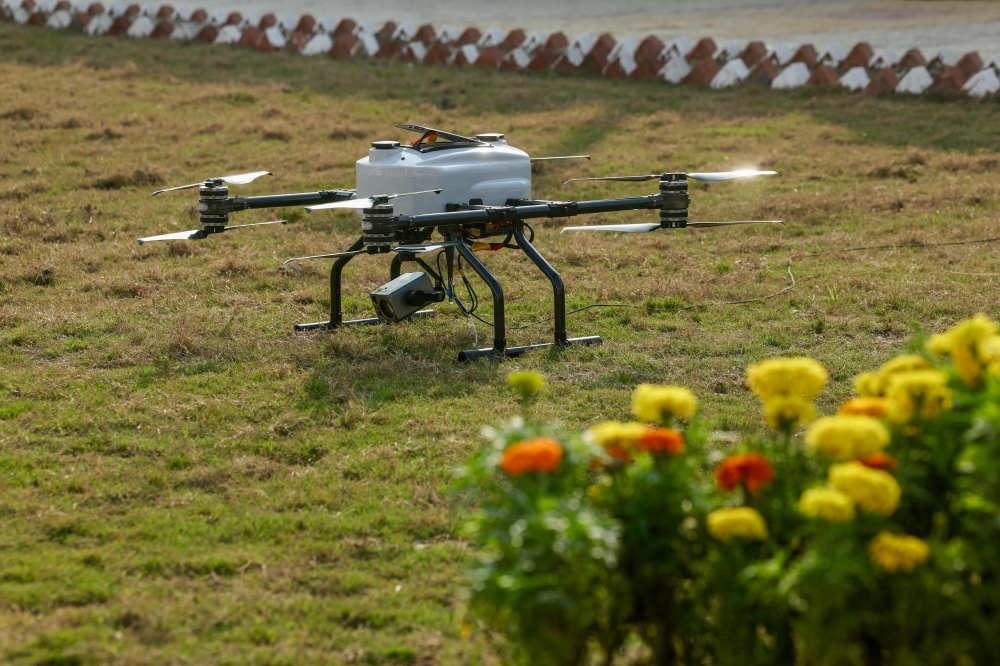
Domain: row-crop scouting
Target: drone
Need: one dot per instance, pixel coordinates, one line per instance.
(475, 192)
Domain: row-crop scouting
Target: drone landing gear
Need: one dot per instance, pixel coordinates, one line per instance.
(500, 348)
(336, 314)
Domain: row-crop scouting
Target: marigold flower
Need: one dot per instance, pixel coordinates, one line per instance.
(618, 439)
(655, 404)
(847, 437)
(873, 407)
(526, 382)
(918, 394)
(538, 454)
(787, 412)
(971, 344)
(662, 440)
(903, 363)
(751, 469)
(828, 504)
(798, 376)
(742, 522)
(873, 490)
(612, 433)
(868, 385)
(879, 460)
(874, 385)
(893, 553)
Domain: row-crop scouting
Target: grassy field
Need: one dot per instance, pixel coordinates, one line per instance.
(185, 480)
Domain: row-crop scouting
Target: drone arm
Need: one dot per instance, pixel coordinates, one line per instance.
(283, 200)
(525, 210)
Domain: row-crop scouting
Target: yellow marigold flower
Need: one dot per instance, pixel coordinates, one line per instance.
(612, 434)
(969, 332)
(526, 382)
(903, 363)
(847, 437)
(742, 522)
(918, 394)
(971, 344)
(867, 385)
(658, 403)
(892, 552)
(797, 376)
(873, 490)
(786, 412)
(828, 504)
(875, 384)
(873, 407)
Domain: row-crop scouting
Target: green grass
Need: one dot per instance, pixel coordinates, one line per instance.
(185, 480)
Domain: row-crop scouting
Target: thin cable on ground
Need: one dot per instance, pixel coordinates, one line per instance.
(896, 247)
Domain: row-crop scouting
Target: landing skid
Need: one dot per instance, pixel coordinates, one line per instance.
(499, 348)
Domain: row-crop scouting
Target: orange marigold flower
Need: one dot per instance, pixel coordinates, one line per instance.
(880, 460)
(873, 407)
(751, 469)
(538, 454)
(618, 453)
(661, 440)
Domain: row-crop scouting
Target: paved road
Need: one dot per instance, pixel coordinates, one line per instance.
(930, 25)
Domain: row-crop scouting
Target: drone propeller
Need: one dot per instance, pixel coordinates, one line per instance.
(201, 234)
(238, 179)
(718, 175)
(367, 202)
(653, 226)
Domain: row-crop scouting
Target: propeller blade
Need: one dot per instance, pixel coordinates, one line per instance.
(419, 249)
(711, 176)
(623, 228)
(182, 187)
(194, 234)
(201, 234)
(348, 203)
(367, 202)
(256, 224)
(729, 175)
(698, 225)
(237, 179)
(245, 178)
(561, 157)
(410, 194)
(324, 256)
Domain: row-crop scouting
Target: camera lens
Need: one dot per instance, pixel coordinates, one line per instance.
(386, 307)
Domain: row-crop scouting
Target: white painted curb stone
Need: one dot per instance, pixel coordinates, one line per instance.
(731, 74)
(983, 83)
(140, 28)
(318, 45)
(916, 81)
(675, 70)
(856, 79)
(795, 75)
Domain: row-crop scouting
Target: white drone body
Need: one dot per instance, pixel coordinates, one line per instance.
(491, 172)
